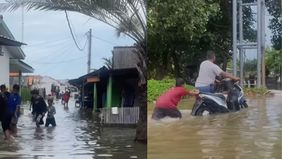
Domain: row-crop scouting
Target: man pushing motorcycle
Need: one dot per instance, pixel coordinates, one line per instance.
(208, 72)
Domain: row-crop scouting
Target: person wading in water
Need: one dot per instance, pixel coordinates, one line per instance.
(40, 108)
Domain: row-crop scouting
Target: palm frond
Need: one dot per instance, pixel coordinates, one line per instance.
(126, 16)
(108, 62)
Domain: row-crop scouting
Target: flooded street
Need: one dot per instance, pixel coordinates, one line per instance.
(254, 133)
(77, 135)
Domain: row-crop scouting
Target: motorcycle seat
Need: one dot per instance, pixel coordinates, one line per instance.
(219, 95)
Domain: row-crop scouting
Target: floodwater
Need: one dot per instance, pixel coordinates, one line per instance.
(77, 135)
(253, 133)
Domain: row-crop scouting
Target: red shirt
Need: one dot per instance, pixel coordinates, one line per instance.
(171, 98)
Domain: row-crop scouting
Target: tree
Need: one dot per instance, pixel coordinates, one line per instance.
(108, 62)
(275, 10)
(180, 33)
(273, 61)
(126, 16)
(172, 28)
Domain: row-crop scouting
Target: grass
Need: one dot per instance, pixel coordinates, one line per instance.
(157, 87)
(25, 94)
(251, 92)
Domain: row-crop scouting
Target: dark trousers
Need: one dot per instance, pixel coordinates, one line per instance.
(39, 119)
(50, 121)
(160, 113)
(6, 122)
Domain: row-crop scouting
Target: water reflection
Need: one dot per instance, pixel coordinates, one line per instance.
(77, 135)
(251, 133)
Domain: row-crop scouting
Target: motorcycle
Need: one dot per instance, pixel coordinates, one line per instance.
(216, 103)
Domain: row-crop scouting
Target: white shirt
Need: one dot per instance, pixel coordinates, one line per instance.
(208, 72)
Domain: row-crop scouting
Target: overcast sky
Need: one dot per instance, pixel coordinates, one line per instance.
(50, 49)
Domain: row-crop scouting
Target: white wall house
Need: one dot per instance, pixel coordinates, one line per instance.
(10, 55)
(4, 67)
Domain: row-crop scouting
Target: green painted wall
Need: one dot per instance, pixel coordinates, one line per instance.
(109, 93)
(116, 95)
(95, 97)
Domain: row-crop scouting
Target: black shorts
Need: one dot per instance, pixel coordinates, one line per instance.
(160, 113)
(50, 121)
(6, 122)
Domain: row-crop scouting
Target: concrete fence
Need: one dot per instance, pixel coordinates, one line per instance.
(123, 115)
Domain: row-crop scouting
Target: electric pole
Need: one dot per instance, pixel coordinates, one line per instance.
(89, 51)
(22, 23)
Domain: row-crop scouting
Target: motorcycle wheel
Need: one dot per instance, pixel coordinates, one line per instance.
(203, 110)
(245, 105)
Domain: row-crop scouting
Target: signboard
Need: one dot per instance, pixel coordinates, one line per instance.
(14, 74)
(93, 79)
(114, 110)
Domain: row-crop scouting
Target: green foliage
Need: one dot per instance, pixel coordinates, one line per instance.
(172, 25)
(273, 61)
(156, 87)
(250, 67)
(255, 91)
(108, 62)
(274, 9)
(180, 32)
(25, 94)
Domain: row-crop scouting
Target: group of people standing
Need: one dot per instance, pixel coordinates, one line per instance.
(39, 108)
(10, 103)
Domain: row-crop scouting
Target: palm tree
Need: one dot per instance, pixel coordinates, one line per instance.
(108, 62)
(126, 16)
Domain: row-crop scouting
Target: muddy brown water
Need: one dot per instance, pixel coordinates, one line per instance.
(253, 133)
(77, 135)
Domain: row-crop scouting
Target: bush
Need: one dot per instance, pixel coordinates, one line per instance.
(25, 94)
(255, 91)
(156, 87)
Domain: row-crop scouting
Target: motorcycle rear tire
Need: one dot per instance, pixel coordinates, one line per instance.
(203, 108)
(245, 105)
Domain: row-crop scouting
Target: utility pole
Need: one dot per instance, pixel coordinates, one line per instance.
(22, 22)
(263, 82)
(241, 38)
(259, 45)
(89, 51)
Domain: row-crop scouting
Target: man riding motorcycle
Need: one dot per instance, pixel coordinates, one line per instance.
(208, 72)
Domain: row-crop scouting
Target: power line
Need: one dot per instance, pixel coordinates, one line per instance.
(87, 21)
(51, 50)
(72, 34)
(104, 40)
(49, 42)
(59, 62)
(49, 69)
(46, 54)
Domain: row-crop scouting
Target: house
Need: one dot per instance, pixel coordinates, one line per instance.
(44, 84)
(11, 55)
(115, 89)
(124, 57)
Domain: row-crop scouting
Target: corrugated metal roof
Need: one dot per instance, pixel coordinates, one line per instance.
(15, 52)
(4, 40)
(18, 65)
(104, 72)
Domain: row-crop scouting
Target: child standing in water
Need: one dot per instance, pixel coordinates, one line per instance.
(51, 112)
